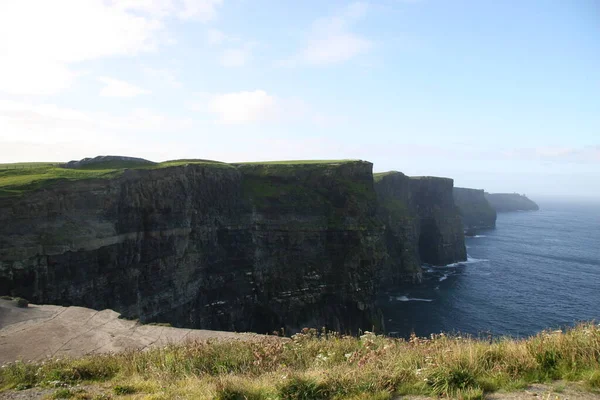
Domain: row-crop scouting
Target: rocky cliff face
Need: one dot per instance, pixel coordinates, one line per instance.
(252, 247)
(475, 211)
(441, 237)
(503, 202)
(399, 213)
(423, 224)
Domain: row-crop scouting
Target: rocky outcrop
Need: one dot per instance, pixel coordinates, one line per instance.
(475, 211)
(250, 247)
(504, 202)
(423, 224)
(129, 162)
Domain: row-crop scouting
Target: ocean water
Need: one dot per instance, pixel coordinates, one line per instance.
(536, 270)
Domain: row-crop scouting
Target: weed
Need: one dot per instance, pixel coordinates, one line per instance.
(124, 390)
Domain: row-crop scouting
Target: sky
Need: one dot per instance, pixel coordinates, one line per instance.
(499, 95)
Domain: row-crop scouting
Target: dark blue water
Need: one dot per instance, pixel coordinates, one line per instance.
(536, 270)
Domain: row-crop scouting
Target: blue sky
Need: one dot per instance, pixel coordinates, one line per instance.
(501, 95)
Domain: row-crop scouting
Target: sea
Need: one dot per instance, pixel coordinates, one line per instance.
(537, 270)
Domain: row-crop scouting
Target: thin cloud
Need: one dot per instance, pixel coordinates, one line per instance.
(243, 107)
(215, 37)
(40, 49)
(163, 76)
(258, 106)
(117, 88)
(331, 40)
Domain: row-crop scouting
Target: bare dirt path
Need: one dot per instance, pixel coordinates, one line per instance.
(38, 332)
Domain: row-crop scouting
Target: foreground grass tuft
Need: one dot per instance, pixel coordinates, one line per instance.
(315, 365)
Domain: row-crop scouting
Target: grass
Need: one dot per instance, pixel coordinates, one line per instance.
(329, 366)
(378, 176)
(296, 162)
(20, 178)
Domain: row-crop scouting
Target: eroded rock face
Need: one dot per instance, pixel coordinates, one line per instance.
(241, 248)
(474, 208)
(423, 223)
(441, 236)
(204, 247)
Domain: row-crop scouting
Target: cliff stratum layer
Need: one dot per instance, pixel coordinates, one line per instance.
(504, 202)
(248, 247)
(475, 211)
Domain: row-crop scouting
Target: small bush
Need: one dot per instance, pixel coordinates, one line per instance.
(592, 381)
(6, 298)
(470, 394)
(21, 302)
(447, 381)
(124, 390)
(297, 388)
(23, 386)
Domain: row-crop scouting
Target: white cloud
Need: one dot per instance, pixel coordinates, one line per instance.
(41, 42)
(202, 10)
(232, 58)
(258, 106)
(334, 49)
(331, 41)
(215, 37)
(117, 88)
(162, 76)
(235, 51)
(66, 133)
(243, 107)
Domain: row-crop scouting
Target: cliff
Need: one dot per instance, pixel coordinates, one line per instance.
(422, 221)
(245, 247)
(503, 202)
(475, 211)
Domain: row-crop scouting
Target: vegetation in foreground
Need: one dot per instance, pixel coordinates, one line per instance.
(323, 366)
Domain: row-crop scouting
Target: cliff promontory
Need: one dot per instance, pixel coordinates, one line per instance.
(475, 211)
(503, 202)
(240, 247)
(423, 223)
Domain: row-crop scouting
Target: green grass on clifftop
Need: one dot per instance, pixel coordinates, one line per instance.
(325, 366)
(20, 178)
(297, 162)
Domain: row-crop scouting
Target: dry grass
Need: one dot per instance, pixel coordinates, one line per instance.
(329, 366)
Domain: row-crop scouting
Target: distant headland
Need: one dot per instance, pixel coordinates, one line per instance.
(504, 202)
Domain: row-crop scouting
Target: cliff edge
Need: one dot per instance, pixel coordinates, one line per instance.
(236, 247)
(475, 211)
(504, 202)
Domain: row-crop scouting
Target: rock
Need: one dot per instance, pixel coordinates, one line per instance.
(476, 212)
(248, 247)
(107, 160)
(423, 224)
(503, 202)
(441, 237)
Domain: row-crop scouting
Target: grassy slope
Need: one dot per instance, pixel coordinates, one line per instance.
(312, 366)
(16, 179)
(295, 162)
